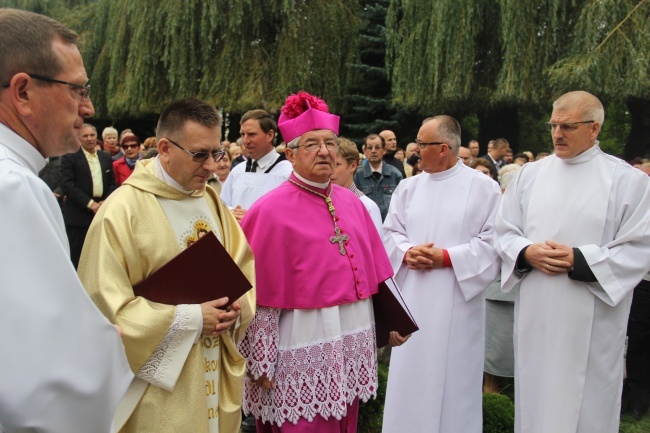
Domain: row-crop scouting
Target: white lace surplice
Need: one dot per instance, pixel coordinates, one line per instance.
(320, 360)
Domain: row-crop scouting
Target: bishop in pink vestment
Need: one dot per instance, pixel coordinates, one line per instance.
(310, 350)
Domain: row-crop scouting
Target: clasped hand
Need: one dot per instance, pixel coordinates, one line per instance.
(551, 257)
(424, 257)
(216, 321)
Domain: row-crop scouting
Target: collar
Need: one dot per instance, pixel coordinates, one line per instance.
(355, 190)
(585, 156)
(310, 183)
(266, 161)
(88, 154)
(379, 169)
(25, 153)
(162, 175)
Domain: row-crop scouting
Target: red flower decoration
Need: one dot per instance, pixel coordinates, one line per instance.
(296, 104)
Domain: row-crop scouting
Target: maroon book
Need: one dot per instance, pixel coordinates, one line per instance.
(202, 272)
(391, 313)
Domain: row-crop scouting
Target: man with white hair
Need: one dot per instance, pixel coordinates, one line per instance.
(573, 231)
(311, 354)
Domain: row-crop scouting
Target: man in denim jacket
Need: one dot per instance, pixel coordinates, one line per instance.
(376, 179)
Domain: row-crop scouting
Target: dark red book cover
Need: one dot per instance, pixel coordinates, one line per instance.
(391, 313)
(202, 272)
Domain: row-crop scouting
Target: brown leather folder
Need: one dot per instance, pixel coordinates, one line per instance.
(391, 313)
(202, 272)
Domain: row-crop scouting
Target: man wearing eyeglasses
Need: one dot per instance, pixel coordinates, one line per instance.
(439, 235)
(377, 179)
(310, 350)
(62, 367)
(188, 370)
(574, 237)
(87, 180)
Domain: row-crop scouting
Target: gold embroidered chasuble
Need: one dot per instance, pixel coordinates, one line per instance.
(131, 237)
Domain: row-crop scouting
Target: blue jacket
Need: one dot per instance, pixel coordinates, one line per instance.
(378, 188)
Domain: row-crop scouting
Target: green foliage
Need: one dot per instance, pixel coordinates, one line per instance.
(237, 55)
(498, 414)
(371, 413)
(629, 425)
(615, 129)
(608, 51)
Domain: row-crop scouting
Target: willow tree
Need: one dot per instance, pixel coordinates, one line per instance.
(237, 54)
(495, 57)
(610, 56)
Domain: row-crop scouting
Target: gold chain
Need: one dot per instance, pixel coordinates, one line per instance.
(338, 237)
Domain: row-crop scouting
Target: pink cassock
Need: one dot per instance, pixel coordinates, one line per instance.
(296, 265)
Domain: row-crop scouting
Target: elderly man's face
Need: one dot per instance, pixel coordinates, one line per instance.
(374, 150)
(316, 165)
(410, 150)
(88, 139)
(571, 140)
(59, 111)
(464, 154)
(179, 164)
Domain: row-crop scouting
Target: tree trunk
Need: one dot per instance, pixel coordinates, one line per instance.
(638, 142)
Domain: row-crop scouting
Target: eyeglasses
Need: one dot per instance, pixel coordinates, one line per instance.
(130, 146)
(566, 127)
(430, 143)
(84, 90)
(312, 147)
(201, 156)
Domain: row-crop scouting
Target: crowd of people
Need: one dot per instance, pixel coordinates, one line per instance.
(512, 266)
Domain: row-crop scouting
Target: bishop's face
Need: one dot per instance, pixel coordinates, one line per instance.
(316, 165)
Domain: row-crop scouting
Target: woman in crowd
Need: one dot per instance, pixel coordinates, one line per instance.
(218, 178)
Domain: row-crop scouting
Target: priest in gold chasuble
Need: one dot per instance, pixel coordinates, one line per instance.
(188, 370)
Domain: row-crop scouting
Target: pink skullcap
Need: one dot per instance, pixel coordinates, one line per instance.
(303, 113)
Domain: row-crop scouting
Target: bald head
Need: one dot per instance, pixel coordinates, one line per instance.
(464, 154)
(410, 149)
(585, 103)
(390, 139)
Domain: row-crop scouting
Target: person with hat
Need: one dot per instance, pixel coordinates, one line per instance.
(310, 350)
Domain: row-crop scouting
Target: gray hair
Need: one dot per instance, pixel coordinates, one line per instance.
(591, 107)
(108, 130)
(448, 131)
(507, 173)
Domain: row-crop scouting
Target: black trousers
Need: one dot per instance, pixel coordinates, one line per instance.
(76, 238)
(638, 349)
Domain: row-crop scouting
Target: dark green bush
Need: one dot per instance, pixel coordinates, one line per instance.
(498, 414)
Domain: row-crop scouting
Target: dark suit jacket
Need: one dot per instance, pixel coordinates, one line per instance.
(77, 185)
(493, 168)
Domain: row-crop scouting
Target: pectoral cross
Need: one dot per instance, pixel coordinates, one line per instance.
(340, 239)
